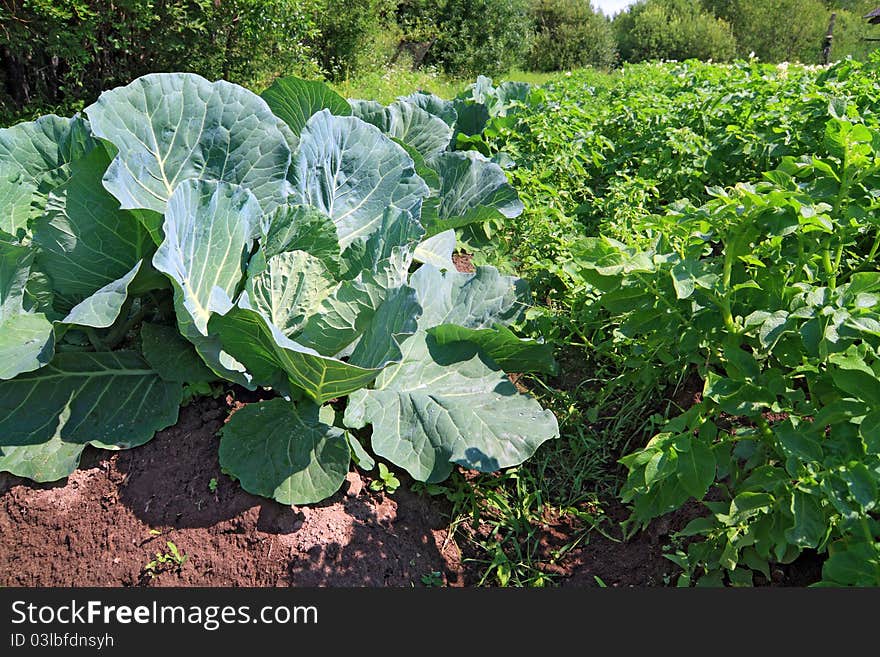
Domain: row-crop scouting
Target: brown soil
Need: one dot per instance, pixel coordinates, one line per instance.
(105, 524)
(606, 559)
(463, 262)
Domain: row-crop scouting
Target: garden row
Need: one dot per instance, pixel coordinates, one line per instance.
(715, 229)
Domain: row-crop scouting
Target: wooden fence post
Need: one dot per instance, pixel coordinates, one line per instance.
(829, 37)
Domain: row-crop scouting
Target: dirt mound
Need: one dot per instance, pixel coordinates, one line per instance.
(104, 525)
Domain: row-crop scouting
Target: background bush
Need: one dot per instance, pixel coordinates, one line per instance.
(355, 36)
(775, 30)
(851, 29)
(569, 34)
(470, 37)
(673, 29)
(60, 54)
(771, 30)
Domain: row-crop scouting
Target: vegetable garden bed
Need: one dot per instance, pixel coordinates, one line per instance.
(286, 274)
(99, 529)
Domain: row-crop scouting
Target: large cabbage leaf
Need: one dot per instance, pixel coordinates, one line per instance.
(434, 105)
(447, 401)
(289, 288)
(209, 230)
(437, 250)
(270, 242)
(173, 127)
(26, 338)
(366, 311)
(290, 452)
(300, 228)
(173, 358)
(479, 308)
(294, 100)
(426, 133)
(34, 160)
(352, 172)
(465, 186)
(448, 404)
(111, 400)
(84, 240)
(268, 354)
(472, 190)
(101, 309)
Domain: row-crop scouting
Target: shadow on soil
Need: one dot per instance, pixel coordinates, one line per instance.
(105, 524)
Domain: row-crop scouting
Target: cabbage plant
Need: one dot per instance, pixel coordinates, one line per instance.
(183, 232)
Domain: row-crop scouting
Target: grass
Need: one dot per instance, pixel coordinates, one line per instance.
(386, 85)
(532, 77)
(503, 518)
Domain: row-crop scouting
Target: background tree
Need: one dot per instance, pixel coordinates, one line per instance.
(775, 30)
(851, 29)
(472, 37)
(354, 35)
(672, 29)
(569, 34)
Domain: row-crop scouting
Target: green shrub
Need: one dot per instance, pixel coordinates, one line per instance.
(776, 30)
(355, 35)
(470, 37)
(59, 55)
(262, 39)
(569, 34)
(850, 31)
(419, 20)
(672, 29)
